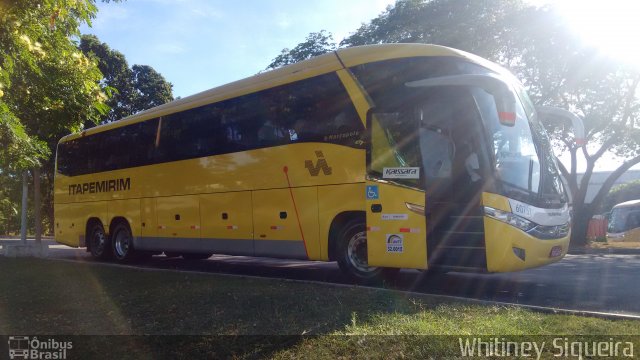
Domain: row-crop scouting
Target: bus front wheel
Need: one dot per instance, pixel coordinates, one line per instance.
(99, 244)
(122, 243)
(352, 254)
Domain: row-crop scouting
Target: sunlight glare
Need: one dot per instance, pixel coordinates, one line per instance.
(613, 26)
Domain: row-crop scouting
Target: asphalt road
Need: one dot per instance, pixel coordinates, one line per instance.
(605, 283)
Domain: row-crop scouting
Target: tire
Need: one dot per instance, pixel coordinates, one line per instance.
(196, 256)
(122, 243)
(352, 254)
(98, 242)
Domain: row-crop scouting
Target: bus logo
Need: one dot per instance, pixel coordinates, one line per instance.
(395, 243)
(321, 165)
(19, 347)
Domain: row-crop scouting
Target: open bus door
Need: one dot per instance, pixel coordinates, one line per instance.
(424, 175)
(395, 233)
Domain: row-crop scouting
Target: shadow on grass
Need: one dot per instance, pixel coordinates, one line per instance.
(258, 316)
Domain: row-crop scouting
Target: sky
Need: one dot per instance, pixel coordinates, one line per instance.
(200, 44)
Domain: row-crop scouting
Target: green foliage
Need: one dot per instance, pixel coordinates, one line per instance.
(477, 26)
(151, 88)
(316, 43)
(48, 89)
(621, 193)
(131, 89)
(47, 85)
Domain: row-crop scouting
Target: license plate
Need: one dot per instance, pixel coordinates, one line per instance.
(555, 251)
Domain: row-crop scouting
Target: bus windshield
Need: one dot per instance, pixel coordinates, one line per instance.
(524, 162)
(624, 219)
(455, 136)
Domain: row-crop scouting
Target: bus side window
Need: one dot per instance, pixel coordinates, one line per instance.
(633, 220)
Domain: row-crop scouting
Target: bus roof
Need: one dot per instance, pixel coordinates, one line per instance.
(318, 65)
(630, 203)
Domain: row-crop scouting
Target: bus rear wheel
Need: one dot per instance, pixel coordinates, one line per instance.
(122, 243)
(352, 255)
(98, 242)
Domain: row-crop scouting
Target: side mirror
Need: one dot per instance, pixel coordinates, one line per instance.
(549, 112)
(494, 85)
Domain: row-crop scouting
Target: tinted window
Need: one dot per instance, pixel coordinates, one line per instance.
(311, 110)
(384, 80)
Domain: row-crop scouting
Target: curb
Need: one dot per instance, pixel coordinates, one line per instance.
(604, 252)
(443, 298)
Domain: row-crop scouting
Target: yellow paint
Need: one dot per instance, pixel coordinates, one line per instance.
(252, 189)
(128, 209)
(632, 235)
(334, 200)
(496, 201)
(148, 217)
(268, 224)
(393, 199)
(501, 238)
(71, 220)
(237, 207)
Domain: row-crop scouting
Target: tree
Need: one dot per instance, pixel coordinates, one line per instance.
(553, 63)
(559, 70)
(316, 43)
(116, 76)
(47, 87)
(131, 89)
(621, 193)
(151, 89)
(475, 26)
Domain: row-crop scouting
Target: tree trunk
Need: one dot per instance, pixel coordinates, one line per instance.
(23, 217)
(582, 214)
(37, 205)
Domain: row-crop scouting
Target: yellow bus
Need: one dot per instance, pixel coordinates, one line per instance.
(378, 157)
(624, 222)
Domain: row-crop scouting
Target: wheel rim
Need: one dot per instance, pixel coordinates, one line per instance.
(357, 253)
(122, 243)
(97, 243)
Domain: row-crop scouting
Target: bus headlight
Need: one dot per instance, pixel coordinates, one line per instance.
(539, 231)
(509, 218)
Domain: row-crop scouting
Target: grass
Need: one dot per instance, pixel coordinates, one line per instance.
(60, 298)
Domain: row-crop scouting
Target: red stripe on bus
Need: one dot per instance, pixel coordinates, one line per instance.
(285, 169)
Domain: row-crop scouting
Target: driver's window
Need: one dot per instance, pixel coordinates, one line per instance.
(394, 143)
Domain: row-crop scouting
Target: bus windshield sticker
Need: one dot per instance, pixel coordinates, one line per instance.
(401, 173)
(395, 216)
(372, 192)
(395, 243)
